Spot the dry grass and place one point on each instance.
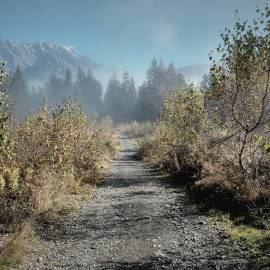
(16, 246)
(257, 239)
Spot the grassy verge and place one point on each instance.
(16, 246)
(257, 239)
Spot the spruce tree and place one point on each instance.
(88, 91)
(18, 94)
(67, 84)
(113, 100)
(159, 82)
(54, 90)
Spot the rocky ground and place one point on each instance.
(136, 220)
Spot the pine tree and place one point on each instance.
(131, 99)
(160, 81)
(124, 98)
(67, 84)
(54, 90)
(149, 102)
(114, 104)
(88, 92)
(132, 92)
(17, 85)
(173, 80)
(18, 94)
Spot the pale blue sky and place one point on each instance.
(125, 34)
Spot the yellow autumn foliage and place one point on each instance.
(51, 151)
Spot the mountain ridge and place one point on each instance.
(40, 60)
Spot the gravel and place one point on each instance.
(137, 220)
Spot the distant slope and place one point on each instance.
(194, 73)
(40, 60)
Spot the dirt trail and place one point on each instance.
(137, 221)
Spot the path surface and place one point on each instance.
(137, 221)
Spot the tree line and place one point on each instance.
(122, 101)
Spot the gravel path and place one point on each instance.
(137, 221)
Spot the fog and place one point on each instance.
(134, 134)
(51, 43)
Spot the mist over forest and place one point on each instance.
(135, 134)
(120, 99)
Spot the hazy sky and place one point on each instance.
(125, 34)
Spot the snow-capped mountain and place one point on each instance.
(40, 60)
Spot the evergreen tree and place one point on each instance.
(160, 81)
(149, 102)
(36, 98)
(79, 83)
(67, 84)
(207, 81)
(128, 97)
(142, 106)
(131, 99)
(54, 90)
(120, 99)
(17, 85)
(89, 91)
(18, 94)
(114, 100)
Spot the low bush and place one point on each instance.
(52, 153)
(178, 143)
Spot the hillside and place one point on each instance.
(41, 59)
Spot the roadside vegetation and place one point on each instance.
(217, 136)
(47, 163)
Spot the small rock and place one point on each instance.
(40, 260)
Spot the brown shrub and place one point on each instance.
(177, 140)
(53, 153)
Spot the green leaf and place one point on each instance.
(267, 148)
